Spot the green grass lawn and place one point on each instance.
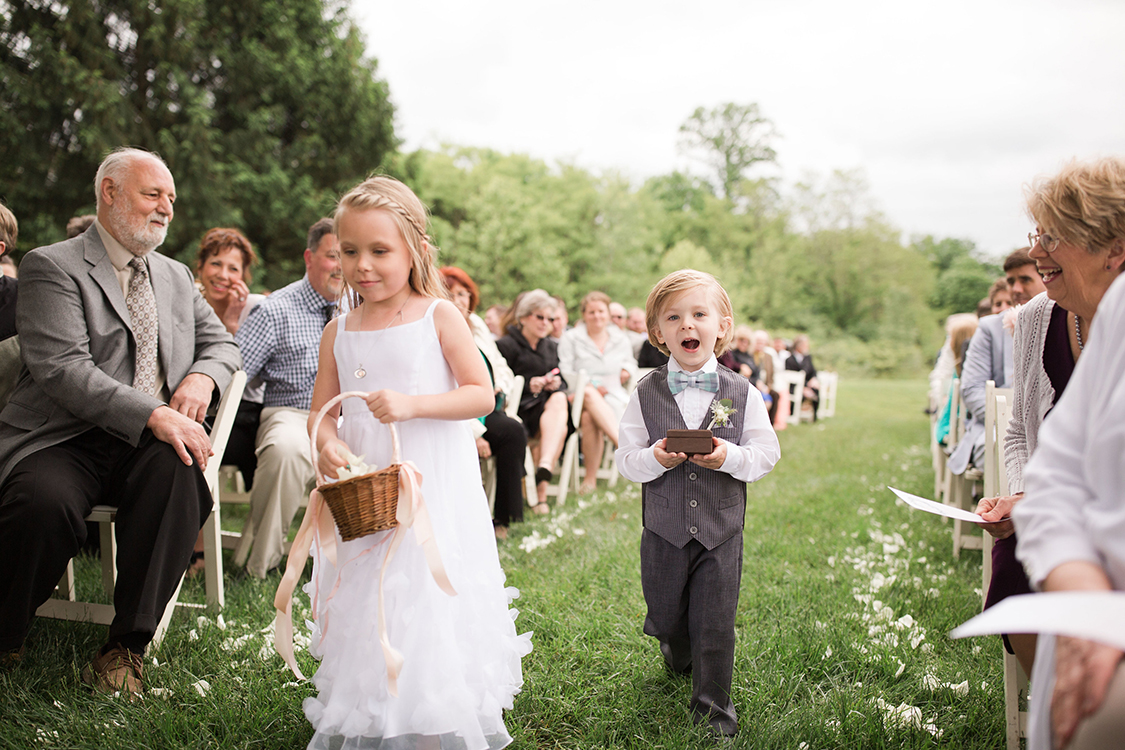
(847, 597)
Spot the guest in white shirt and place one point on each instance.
(604, 352)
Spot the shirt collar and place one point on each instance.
(711, 365)
(312, 297)
(117, 253)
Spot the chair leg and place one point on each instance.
(529, 480)
(567, 470)
(985, 567)
(1015, 720)
(213, 555)
(109, 556)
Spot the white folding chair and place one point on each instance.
(785, 379)
(106, 516)
(959, 487)
(829, 381)
(1015, 679)
(569, 468)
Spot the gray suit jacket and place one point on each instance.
(78, 348)
(989, 357)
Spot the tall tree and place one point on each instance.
(731, 138)
(264, 110)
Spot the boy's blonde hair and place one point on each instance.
(388, 194)
(9, 228)
(675, 284)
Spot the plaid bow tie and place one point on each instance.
(704, 381)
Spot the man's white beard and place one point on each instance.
(138, 238)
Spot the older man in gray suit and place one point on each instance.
(990, 357)
(121, 359)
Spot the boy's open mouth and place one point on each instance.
(690, 345)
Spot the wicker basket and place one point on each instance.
(361, 505)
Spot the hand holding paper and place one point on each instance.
(930, 506)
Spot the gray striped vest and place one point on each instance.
(690, 502)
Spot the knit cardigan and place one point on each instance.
(1033, 394)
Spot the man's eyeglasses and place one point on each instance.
(1046, 241)
(544, 317)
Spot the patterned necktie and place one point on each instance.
(142, 309)
(328, 310)
(704, 381)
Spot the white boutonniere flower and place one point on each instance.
(720, 413)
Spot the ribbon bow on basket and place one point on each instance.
(363, 505)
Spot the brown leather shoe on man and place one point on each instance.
(117, 670)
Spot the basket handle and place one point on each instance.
(396, 458)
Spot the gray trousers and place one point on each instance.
(692, 598)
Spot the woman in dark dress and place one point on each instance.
(543, 406)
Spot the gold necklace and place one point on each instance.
(361, 373)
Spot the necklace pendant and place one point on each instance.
(360, 373)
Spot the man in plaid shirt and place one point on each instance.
(280, 342)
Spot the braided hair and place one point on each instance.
(388, 194)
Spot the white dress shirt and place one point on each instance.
(755, 455)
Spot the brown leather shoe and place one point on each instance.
(117, 670)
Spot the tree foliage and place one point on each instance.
(263, 109)
(730, 138)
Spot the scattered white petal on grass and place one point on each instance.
(900, 670)
(904, 622)
(202, 687)
(559, 533)
(927, 648)
(906, 716)
(534, 541)
(59, 705)
(267, 652)
(832, 723)
(916, 639)
(803, 746)
(984, 686)
(202, 622)
(886, 613)
(961, 688)
(976, 650)
(233, 644)
(832, 561)
(193, 634)
(583, 505)
(292, 684)
(820, 625)
(221, 622)
(865, 511)
(933, 593)
(580, 532)
(155, 663)
(611, 497)
(859, 684)
(238, 679)
(929, 682)
(830, 577)
(268, 629)
(159, 692)
(46, 735)
(827, 654)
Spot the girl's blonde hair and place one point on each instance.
(961, 327)
(388, 194)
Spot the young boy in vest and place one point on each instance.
(694, 507)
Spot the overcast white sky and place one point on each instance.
(949, 107)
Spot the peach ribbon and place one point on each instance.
(411, 512)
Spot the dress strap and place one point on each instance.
(430, 310)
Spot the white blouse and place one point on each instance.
(577, 351)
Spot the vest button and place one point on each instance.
(692, 476)
(693, 530)
(693, 503)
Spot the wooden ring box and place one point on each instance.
(691, 442)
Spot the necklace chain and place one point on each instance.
(361, 373)
(1078, 332)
